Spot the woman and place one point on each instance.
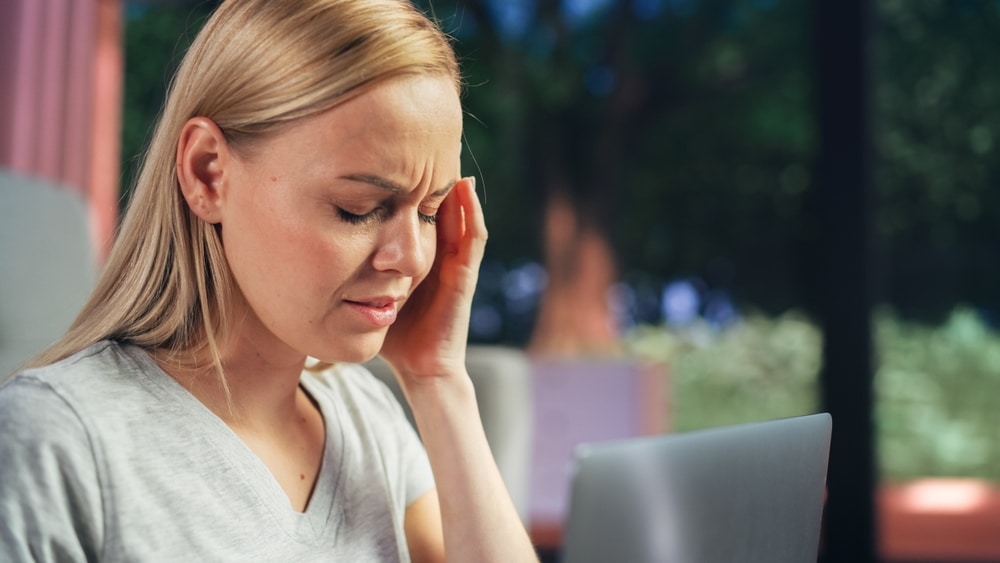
(302, 182)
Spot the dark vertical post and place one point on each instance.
(843, 35)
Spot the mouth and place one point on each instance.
(379, 303)
(380, 311)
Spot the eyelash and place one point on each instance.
(355, 219)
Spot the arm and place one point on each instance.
(422, 523)
(479, 518)
(426, 348)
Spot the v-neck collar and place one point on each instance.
(307, 526)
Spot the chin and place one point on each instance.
(355, 352)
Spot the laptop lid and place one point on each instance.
(746, 493)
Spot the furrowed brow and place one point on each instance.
(376, 181)
(444, 191)
(394, 188)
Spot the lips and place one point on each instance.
(377, 303)
(379, 311)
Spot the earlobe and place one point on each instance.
(201, 156)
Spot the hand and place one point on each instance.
(429, 337)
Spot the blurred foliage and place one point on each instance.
(937, 390)
(936, 386)
(937, 126)
(759, 368)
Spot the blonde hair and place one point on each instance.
(255, 66)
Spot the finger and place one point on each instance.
(450, 228)
(474, 239)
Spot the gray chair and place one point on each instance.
(47, 265)
(502, 379)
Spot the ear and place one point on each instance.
(202, 153)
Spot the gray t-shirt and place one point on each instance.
(104, 457)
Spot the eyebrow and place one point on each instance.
(390, 186)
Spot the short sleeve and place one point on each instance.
(419, 478)
(50, 499)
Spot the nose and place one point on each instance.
(405, 246)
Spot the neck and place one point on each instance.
(265, 407)
(260, 390)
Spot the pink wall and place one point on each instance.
(60, 99)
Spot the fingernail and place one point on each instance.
(472, 182)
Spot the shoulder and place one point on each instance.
(33, 411)
(41, 411)
(100, 361)
(39, 398)
(54, 409)
(49, 494)
(103, 374)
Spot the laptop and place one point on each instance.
(748, 493)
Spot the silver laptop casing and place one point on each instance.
(748, 493)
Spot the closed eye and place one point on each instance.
(361, 219)
(354, 218)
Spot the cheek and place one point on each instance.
(428, 242)
(273, 238)
(262, 239)
(331, 258)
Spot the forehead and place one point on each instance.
(407, 118)
(409, 104)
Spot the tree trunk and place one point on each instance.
(574, 317)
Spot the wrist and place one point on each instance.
(443, 389)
